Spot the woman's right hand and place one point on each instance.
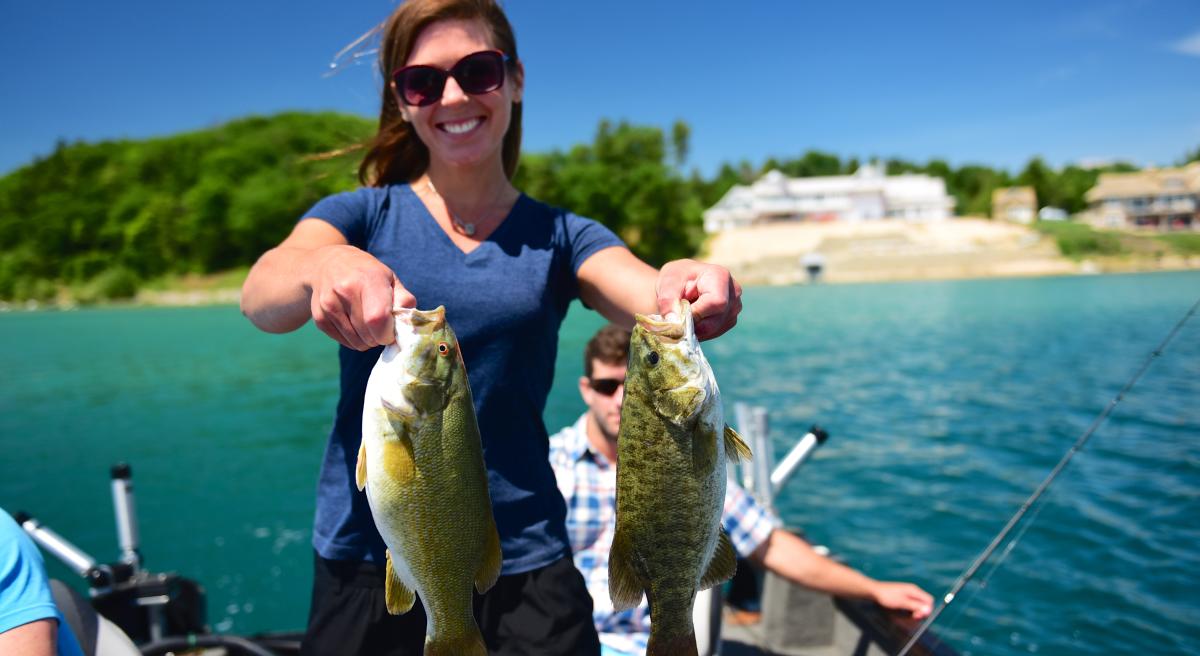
(353, 295)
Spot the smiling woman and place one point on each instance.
(439, 222)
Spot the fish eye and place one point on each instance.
(652, 358)
(443, 348)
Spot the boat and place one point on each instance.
(131, 611)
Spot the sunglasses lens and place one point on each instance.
(421, 85)
(605, 386)
(480, 73)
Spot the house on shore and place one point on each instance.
(867, 195)
(1015, 204)
(1153, 199)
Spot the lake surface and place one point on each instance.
(947, 402)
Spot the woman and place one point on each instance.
(439, 222)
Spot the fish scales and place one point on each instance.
(421, 466)
(671, 453)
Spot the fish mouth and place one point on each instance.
(424, 322)
(676, 329)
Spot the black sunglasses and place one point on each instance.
(478, 72)
(605, 386)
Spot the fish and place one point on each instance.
(672, 449)
(422, 468)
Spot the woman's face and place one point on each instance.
(461, 129)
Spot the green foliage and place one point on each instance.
(1186, 243)
(100, 217)
(623, 180)
(1077, 240)
(116, 283)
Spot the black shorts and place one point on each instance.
(546, 612)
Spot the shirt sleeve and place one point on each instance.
(747, 523)
(587, 237)
(24, 591)
(348, 211)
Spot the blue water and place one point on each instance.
(947, 402)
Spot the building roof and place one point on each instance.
(1014, 196)
(1151, 182)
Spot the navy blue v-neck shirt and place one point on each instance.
(505, 301)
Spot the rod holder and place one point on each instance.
(126, 514)
(808, 444)
(62, 549)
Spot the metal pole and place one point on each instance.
(126, 514)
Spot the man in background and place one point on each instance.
(584, 457)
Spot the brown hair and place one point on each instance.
(396, 154)
(609, 345)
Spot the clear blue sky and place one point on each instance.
(988, 82)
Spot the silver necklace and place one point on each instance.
(468, 228)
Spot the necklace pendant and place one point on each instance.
(468, 228)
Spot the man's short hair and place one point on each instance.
(609, 345)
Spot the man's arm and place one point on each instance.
(792, 558)
(37, 638)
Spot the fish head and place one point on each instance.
(667, 366)
(425, 362)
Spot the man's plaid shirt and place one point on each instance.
(588, 482)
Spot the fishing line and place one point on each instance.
(1037, 493)
(999, 561)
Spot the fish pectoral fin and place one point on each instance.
(398, 457)
(735, 447)
(625, 587)
(723, 564)
(489, 569)
(360, 469)
(399, 597)
(679, 404)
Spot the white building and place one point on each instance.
(866, 195)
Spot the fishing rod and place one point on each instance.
(1012, 522)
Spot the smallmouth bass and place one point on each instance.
(421, 465)
(671, 453)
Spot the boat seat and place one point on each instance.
(97, 636)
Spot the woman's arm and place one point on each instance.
(315, 273)
(617, 284)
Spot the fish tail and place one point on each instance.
(680, 645)
(466, 645)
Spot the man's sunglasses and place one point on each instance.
(605, 386)
(478, 72)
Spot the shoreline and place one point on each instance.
(770, 255)
(895, 251)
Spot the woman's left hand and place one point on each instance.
(716, 298)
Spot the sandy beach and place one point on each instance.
(897, 250)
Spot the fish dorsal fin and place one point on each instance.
(723, 564)
(399, 597)
(625, 587)
(735, 447)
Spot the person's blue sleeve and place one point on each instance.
(587, 237)
(349, 212)
(24, 590)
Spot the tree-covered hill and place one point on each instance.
(97, 220)
(118, 212)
